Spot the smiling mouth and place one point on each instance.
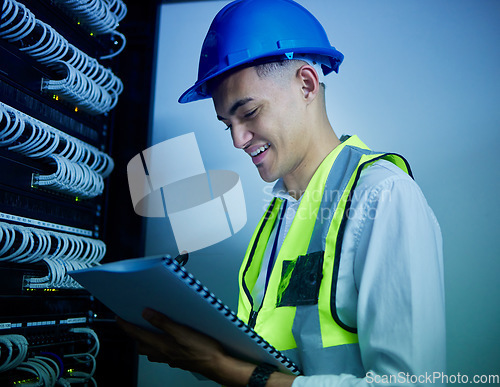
(260, 150)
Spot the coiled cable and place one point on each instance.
(39, 40)
(76, 179)
(33, 138)
(17, 349)
(61, 253)
(43, 367)
(102, 16)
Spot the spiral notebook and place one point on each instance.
(127, 287)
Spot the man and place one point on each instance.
(344, 271)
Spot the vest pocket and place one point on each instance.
(300, 280)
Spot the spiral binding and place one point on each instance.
(231, 315)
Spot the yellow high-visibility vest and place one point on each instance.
(298, 315)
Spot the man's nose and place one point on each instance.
(241, 136)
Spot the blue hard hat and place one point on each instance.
(247, 31)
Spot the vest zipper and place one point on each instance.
(252, 319)
(250, 258)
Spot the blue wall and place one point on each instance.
(420, 77)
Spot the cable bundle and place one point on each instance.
(58, 277)
(82, 91)
(80, 167)
(23, 244)
(36, 139)
(48, 367)
(17, 349)
(16, 22)
(100, 16)
(76, 179)
(45, 369)
(39, 40)
(89, 356)
(61, 252)
(117, 7)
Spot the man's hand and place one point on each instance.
(178, 346)
(182, 347)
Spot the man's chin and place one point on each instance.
(267, 177)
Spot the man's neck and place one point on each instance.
(297, 182)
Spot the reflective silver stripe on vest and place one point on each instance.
(310, 355)
(341, 172)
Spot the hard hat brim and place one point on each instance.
(195, 92)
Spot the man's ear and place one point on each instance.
(309, 81)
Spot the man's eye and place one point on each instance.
(228, 127)
(251, 113)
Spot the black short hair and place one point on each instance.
(264, 67)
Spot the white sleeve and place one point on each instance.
(395, 245)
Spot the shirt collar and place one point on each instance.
(279, 191)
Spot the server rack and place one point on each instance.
(67, 131)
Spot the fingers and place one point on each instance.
(149, 343)
(159, 320)
(142, 336)
(126, 326)
(182, 258)
(175, 344)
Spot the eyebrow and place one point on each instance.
(236, 106)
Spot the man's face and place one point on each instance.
(266, 119)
